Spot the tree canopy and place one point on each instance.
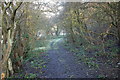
(90, 27)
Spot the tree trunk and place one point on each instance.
(8, 36)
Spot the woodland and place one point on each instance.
(59, 40)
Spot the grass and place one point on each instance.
(34, 59)
(82, 56)
(101, 76)
(87, 60)
(96, 50)
(94, 57)
(30, 75)
(41, 43)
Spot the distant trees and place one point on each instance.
(87, 16)
(93, 23)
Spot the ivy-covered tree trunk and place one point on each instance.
(17, 50)
(9, 28)
(7, 43)
(7, 47)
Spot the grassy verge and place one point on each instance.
(96, 57)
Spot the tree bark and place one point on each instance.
(8, 36)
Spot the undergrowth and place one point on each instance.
(88, 53)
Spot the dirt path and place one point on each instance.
(62, 64)
(57, 62)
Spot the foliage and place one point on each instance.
(91, 31)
